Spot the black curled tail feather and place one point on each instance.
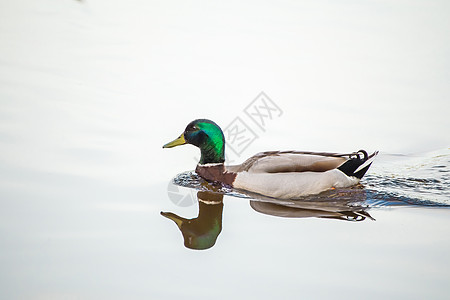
(357, 166)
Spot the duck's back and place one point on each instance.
(290, 161)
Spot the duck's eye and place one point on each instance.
(191, 128)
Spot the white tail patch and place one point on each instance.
(366, 163)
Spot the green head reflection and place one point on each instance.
(201, 232)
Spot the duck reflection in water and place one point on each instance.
(284, 211)
(342, 204)
(202, 232)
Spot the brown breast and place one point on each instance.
(215, 172)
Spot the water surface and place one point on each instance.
(91, 90)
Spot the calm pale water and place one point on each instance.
(90, 202)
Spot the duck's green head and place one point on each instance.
(206, 135)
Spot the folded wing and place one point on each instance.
(291, 161)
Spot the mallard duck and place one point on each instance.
(275, 174)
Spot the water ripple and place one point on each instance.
(419, 180)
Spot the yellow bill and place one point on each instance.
(177, 142)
